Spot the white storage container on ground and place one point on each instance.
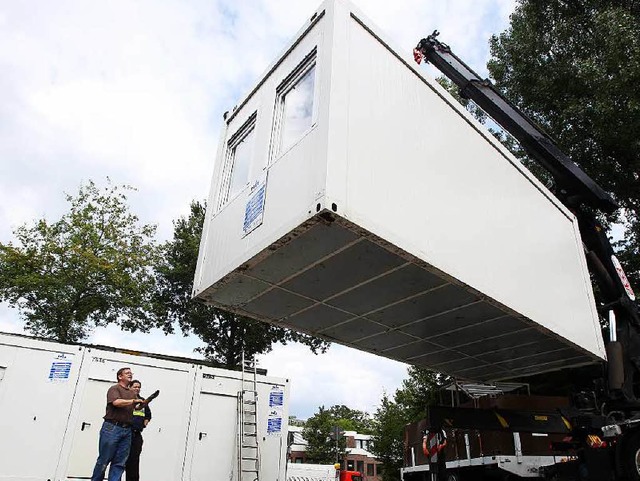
(37, 387)
(355, 200)
(52, 400)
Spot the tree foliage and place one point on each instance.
(92, 267)
(351, 419)
(225, 334)
(320, 432)
(409, 404)
(388, 439)
(294, 421)
(574, 67)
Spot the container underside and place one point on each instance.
(334, 280)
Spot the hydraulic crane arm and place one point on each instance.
(570, 180)
(575, 189)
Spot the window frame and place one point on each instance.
(308, 63)
(371, 470)
(244, 131)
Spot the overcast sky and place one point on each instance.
(135, 90)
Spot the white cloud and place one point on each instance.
(135, 90)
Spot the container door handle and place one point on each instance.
(201, 435)
(84, 425)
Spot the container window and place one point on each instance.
(360, 466)
(238, 161)
(370, 469)
(296, 104)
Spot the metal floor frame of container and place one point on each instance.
(332, 279)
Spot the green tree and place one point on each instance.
(388, 437)
(574, 67)
(351, 419)
(321, 429)
(320, 434)
(294, 421)
(409, 404)
(225, 334)
(92, 267)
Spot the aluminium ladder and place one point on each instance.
(248, 446)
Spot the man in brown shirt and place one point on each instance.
(115, 435)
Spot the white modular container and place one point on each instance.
(355, 200)
(37, 387)
(52, 400)
(212, 451)
(164, 439)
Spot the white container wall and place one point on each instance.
(52, 400)
(214, 424)
(355, 200)
(37, 385)
(164, 439)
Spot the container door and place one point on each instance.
(165, 437)
(215, 453)
(273, 434)
(36, 392)
(85, 442)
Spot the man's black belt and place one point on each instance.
(118, 423)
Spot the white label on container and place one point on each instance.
(276, 405)
(276, 398)
(274, 424)
(60, 367)
(254, 210)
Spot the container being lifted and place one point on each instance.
(355, 200)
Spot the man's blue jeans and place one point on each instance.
(113, 447)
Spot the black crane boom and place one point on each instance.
(571, 182)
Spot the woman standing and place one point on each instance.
(141, 417)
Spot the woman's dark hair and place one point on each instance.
(134, 382)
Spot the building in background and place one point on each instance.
(358, 457)
(297, 451)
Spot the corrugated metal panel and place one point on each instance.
(360, 293)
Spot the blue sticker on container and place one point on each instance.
(60, 371)
(276, 398)
(274, 426)
(254, 210)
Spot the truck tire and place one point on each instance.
(631, 458)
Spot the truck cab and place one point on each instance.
(351, 476)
